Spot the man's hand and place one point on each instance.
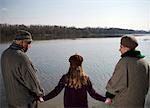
(41, 99)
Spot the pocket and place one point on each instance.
(121, 96)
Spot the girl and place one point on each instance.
(76, 84)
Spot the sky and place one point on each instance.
(126, 14)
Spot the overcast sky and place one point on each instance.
(128, 14)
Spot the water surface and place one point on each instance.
(51, 59)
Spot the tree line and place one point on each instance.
(46, 32)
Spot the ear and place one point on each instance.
(127, 49)
(20, 42)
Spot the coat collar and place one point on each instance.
(15, 46)
(133, 53)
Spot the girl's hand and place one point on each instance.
(108, 101)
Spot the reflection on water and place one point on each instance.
(51, 59)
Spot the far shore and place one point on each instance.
(84, 37)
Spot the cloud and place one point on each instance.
(3, 9)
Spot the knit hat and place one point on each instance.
(129, 41)
(76, 59)
(23, 35)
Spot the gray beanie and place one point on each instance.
(129, 41)
(23, 35)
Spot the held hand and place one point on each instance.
(41, 99)
(108, 101)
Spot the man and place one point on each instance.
(129, 83)
(21, 83)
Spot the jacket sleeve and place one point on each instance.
(55, 91)
(27, 76)
(119, 79)
(93, 93)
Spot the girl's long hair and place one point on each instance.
(76, 77)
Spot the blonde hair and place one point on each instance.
(76, 77)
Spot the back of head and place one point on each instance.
(76, 60)
(129, 41)
(23, 35)
(76, 76)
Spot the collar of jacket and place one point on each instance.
(16, 46)
(133, 53)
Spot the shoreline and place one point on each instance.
(99, 36)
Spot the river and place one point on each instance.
(51, 59)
